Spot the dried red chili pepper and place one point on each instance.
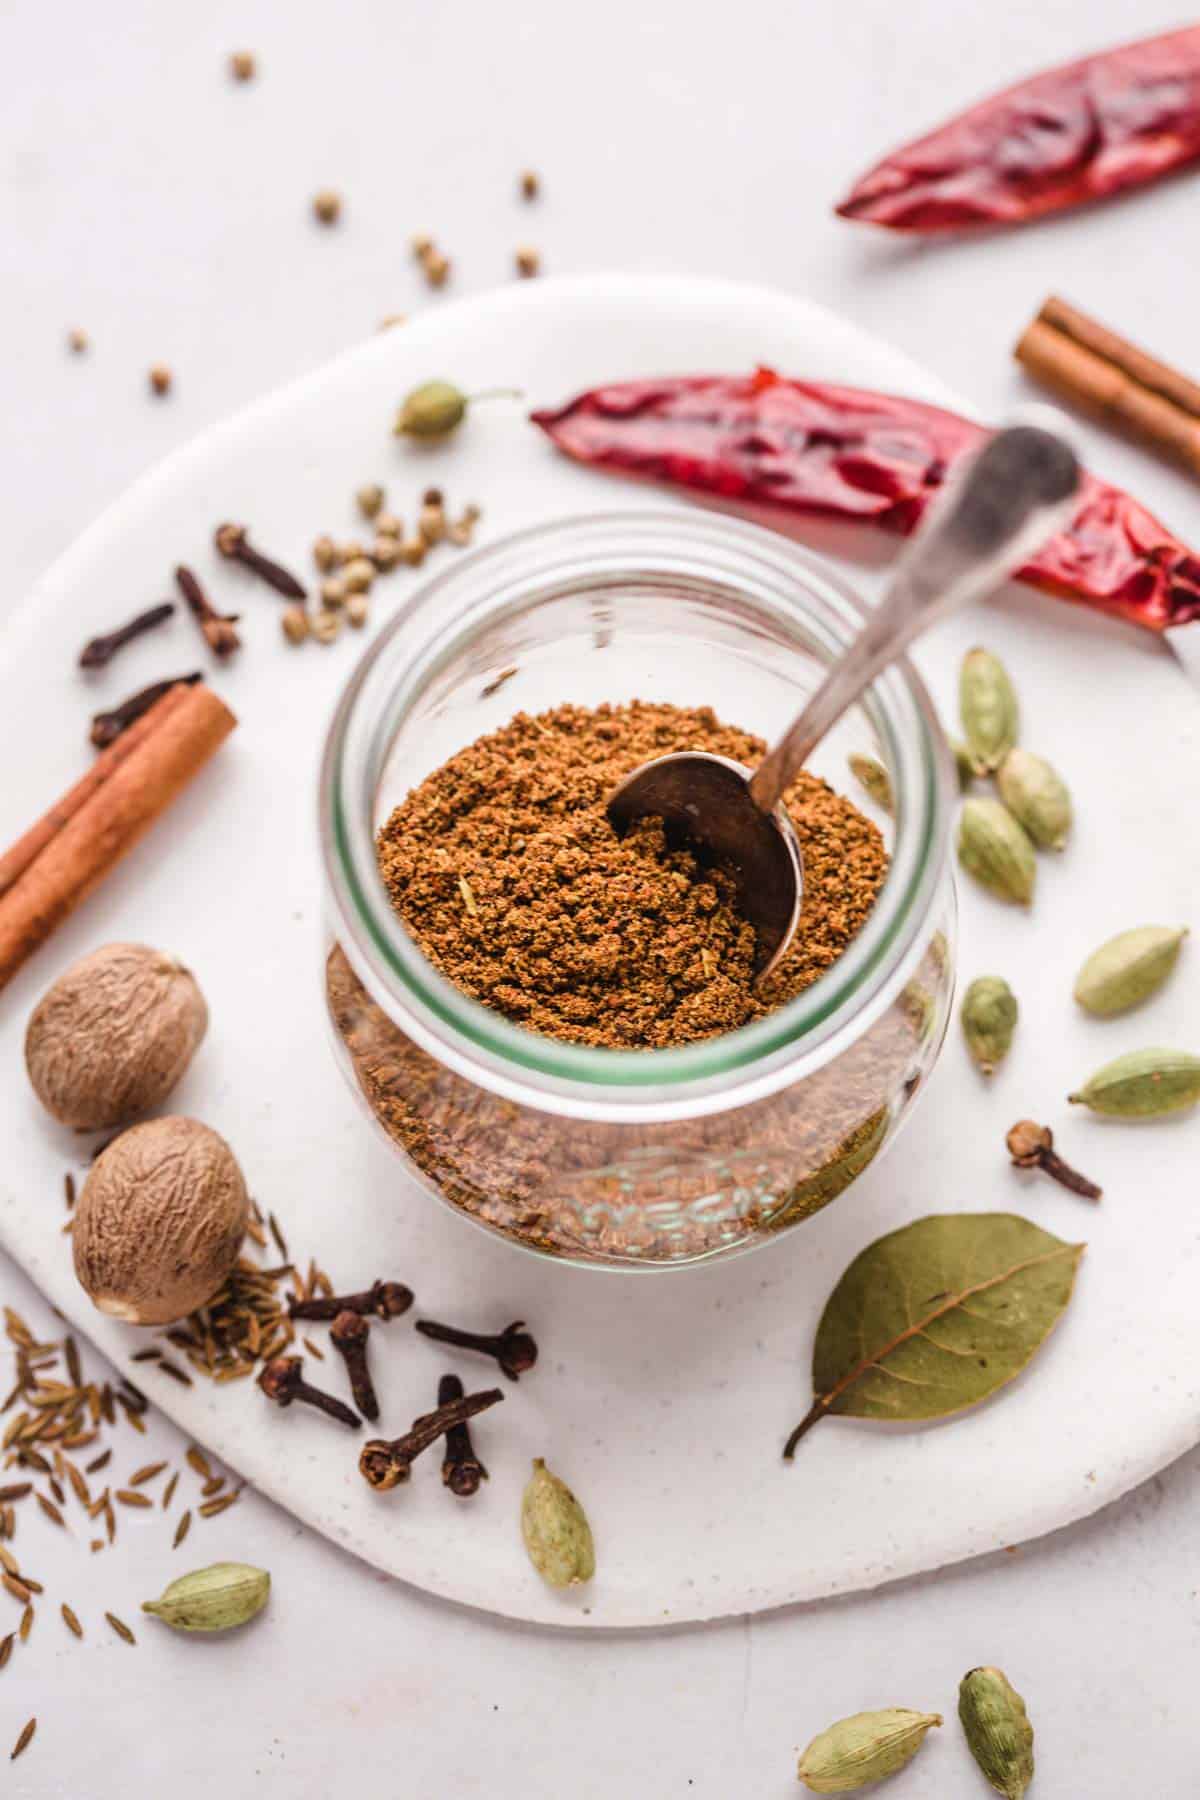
(1070, 135)
(807, 447)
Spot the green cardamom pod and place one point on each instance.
(1128, 968)
(988, 702)
(997, 1730)
(1036, 795)
(556, 1532)
(213, 1599)
(989, 1018)
(996, 851)
(871, 773)
(864, 1748)
(1142, 1085)
(432, 410)
(965, 766)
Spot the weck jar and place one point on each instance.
(621, 1158)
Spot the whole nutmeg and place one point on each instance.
(113, 1035)
(160, 1221)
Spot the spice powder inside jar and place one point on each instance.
(504, 869)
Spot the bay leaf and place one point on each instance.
(933, 1318)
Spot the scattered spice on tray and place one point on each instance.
(581, 935)
(811, 448)
(327, 206)
(98, 652)
(1076, 133)
(160, 379)
(242, 65)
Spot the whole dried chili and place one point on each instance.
(1072, 134)
(810, 448)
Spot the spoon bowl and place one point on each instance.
(706, 800)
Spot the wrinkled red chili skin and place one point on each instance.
(847, 453)
(1059, 139)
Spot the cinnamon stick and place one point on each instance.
(68, 852)
(1114, 380)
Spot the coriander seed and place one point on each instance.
(431, 520)
(325, 553)
(388, 525)
(295, 623)
(334, 592)
(531, 185)
(78, 341)
(385, 553)
(528, 261)
(326, 626)
(369, 500)
(412, 552)
(242, 65)
(422, 246)
(327, 206)
(358, 575)
(437, 268)
(357, 611)
(160, 379)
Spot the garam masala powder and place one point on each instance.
(504, 868)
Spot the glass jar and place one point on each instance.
(617, 1158)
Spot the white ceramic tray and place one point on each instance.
(664, 1399)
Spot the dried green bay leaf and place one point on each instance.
(933, 1318)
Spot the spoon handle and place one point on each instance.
(1016, 494)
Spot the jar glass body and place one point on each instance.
(627, 1159)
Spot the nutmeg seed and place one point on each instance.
(113, 1036)
(160, 1221)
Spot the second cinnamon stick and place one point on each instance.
(1114, 380)
(91, 828)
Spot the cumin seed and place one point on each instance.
(69, 1188)
(24, 1741)
(276, 1233)
(98, 1462)
(71, 1622)
(176, 1373)
(312, 1345)
(197, 1460)
(182, 1529)
(51, 1511)
(169, 1490)
(119, 1626)
(130, 1497)
(8, 1561)
(6, 1645)
(16, 1490)
(211, 1508)
(26, 1625)
(16, 1587)
(146, 1473)
(140, 1356)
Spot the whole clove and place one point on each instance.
(462, 1471)
(98, 652)
(218, 628)
(108, 726)
(1031, 1146)
(513, 1348)
(385, 1299)
(233, 542)
(385, 1464)
(282, 1381)
(349, 1337)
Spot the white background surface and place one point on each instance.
(150, 201)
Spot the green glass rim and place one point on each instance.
(576, 554)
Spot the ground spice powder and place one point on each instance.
(505, 869)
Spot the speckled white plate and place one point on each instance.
(663, 1399)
